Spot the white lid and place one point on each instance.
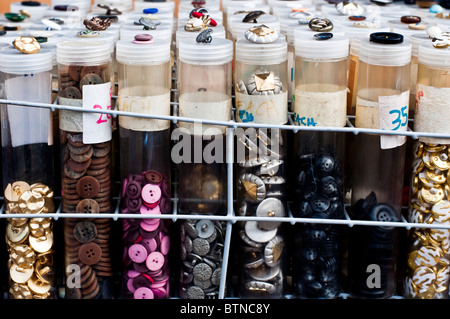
(165, 6)
(15, 62)
(431, 56)
(128, 52)
(186, 5)
(261, 53)
(335, 48)
(86, 52)
(238, 28)
(385, 54)
(218, 32)
(105, 36)
(163, 31)
(218, 51)
(36, 12)
(416, 40)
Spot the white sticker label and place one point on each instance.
(393, 111)
(268, 109)
(432, 112)
(97, 126)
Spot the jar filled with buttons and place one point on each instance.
(27, 169)
(144, 83)
(427, 266)
(204, 79)
(261, 97)
(86, 186)
(320, 100)
(378, 163)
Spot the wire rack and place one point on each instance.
(230, 217)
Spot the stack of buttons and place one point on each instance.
(319, 194)
(428, 272)
(372, 250)
(86, 189)
(30, 241)
(261, 193)
(202, 243)
(146, 241)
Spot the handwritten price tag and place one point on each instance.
(393, 117)
(97, 126)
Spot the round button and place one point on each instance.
(383, 213)
(150, 211)
(88, 206)
(153, 177)
(357, 18)
(85, 231)
(410, 19)
(88, 187)
(205, 228)
(257, 234)
(320, 203)
(155, 261)
(386, 37)
(325, 164)
(133, 189)
(270, 207)
(165, 245)
(151, 194)
(150, 225)
(90, 253)
(323, 36)
(90, 79)
(143, 38)
(143, 293)
(137, 253)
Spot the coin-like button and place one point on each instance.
(270, 207)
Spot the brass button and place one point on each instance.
(27, 45)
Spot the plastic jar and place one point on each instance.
(85, 137)
(28, 173)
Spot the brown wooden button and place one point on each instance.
(71, 92)
(88, 187)
(75, 71)
(88, 206)
(85, 231)
(90, 253)
(78, 166)
(153, 177)
(90, 79)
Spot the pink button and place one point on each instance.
(143, 293)
(150, 211)
(151, 243)
(165, 245)
(150, 226)
(151, 194)
(133, 273)
(155, 261)
(124, 187)
(137, 253)
(130, 285)
(159, 292)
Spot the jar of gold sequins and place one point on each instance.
(27, 170)
(427, 268)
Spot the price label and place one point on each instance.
(393, 110)
(97, 126)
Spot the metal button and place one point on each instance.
(270, 207)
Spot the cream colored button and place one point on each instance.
(19, 274)
(17, 234)
(37, 286)
(42, 244)
(28, 45)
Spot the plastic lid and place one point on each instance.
(237, 27)
(15, 62)
(416, 40)
(219, 51)
(431, 56)
(161, 6)
(262, 53)
(334, 48)
(395, 54)
(181, 34)
(82, 51)
(163, 32)
(128, 52)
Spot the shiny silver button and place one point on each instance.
(270, 207)
(255, 233)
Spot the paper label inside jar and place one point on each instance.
(156, 105)
(267, 109)
(389, 113)
(323, 108)
(97, 127)
(29, 125)
(432, 112)
(204, 105)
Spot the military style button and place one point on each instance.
(432, 195)
(320, 25)
(41, 244)
(88, 187)
(37, 286)
(270, 207)
(88, 206)
(202, 271)
(22, 255)
(273, 251)
(39, 226)
(194, 292)
(153, 177)
(85, 231)
(255, 233)
(201, 246)
(20, 275)
(205, 228)
(27, 45)
(253, 186)
(17, 234)
(386, 37)
(14, 190)
(90, 253)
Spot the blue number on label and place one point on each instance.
(399, 115)
(304, 121)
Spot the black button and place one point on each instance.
(30, 3)
(325, 164)
(386, 37)
(323, 36)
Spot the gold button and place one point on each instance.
(31, 202)
(22, 255)
(14, 190)
(17, 235)
(19, 274)
(42, 244)
(37, 286)
(432, 195)
(19, 291)
(39, 226)
(13, 208)
(27, 45)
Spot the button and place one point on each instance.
(386, 37)
(133, 189)
(252, 16)
(323, 36)
(88, 34)
(273, 251)
(165, 245)
(14, 190)
(253, 186)
(349, 8)
(205, 228)
(150, 211)
(155, 261)
(27, 45)
(31, 202)
(143, 293)
(153, 177)
(202, 272)
(88, 187)
(22, 255)
(20, 275)
(325, 164)
(137, 253)
(151, 194)
(410, 19)
(320, 25)
(201, 246)
(90, 79)
(143, 39)
(357, 18)
(17, 234)
(270, 207)
(257, 234)
(320, 203)
(90, 253)
(85, 231)
(88, 206)
(41, 244)
(71, 92)
(150, 225)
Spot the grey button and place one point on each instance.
(253, 258)
(202, 272)
(270, 207)
(204, 284)
(260, 286)
(189, 228)
(264, 273)
(205, 228)
(273, 180)
(216, 275)
(248, 241)
(273, 251)
(257, 234)
(195, 292)
(188, 244)
(271, 168)
(201, 246)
